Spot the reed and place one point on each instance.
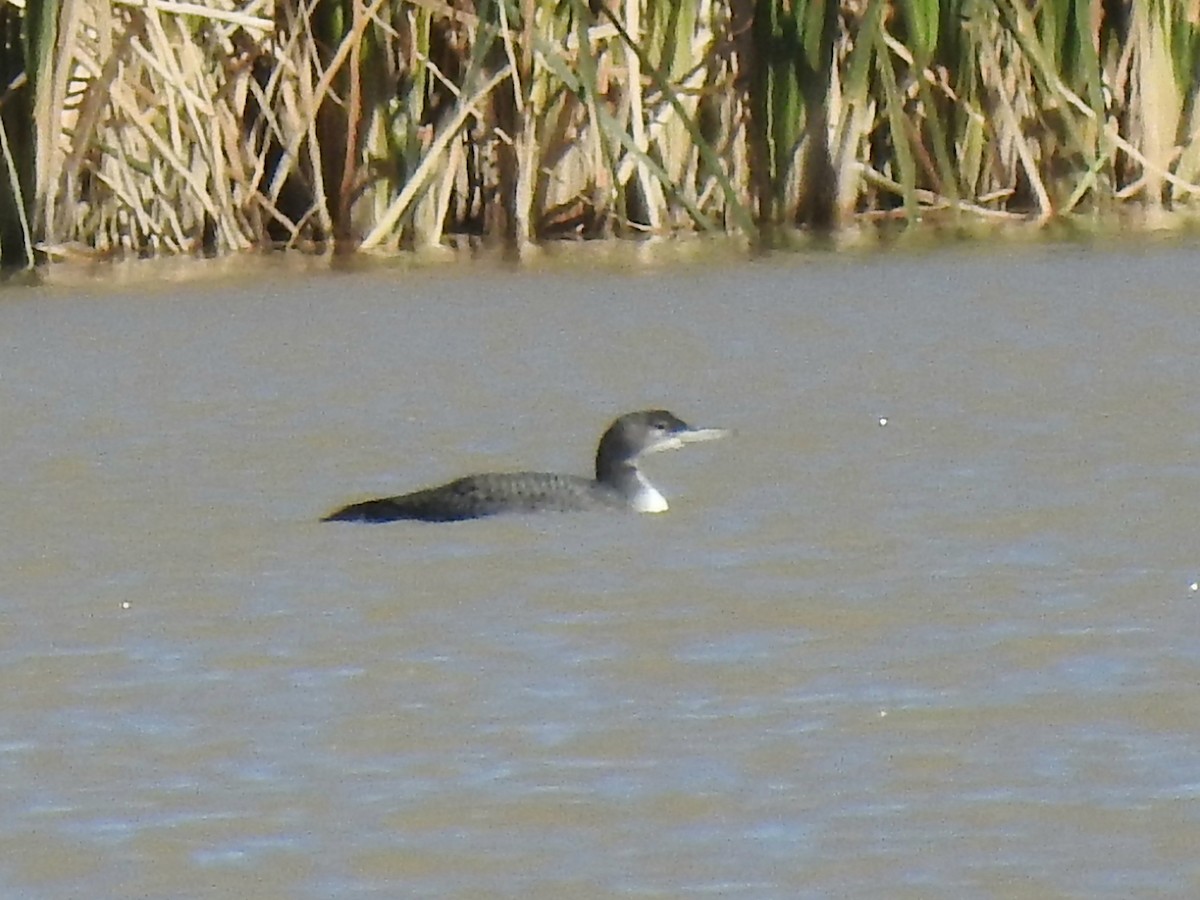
(21, 40)
(140, 127)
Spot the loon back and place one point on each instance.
(619, 483)
(475, 496)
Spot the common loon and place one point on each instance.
(618, 484)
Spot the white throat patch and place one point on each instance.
(648, 499)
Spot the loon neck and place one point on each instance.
(627, 479)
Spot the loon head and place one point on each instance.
(632, 436)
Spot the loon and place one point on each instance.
(619, 483)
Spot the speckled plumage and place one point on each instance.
(475, 496)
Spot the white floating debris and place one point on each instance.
(882, 421)
(124, 604)
(1195, 585)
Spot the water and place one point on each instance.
(925, 628)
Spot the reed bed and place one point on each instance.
(143, 127)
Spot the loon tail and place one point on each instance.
(385, 509)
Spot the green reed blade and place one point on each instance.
(897, 121)
(922, 19)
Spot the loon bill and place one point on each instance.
(619, 483)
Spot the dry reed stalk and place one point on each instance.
(133, 94)
(652, 198)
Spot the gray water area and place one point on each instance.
(926, 627)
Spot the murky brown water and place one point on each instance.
(956, 655)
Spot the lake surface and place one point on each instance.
(927, 627)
